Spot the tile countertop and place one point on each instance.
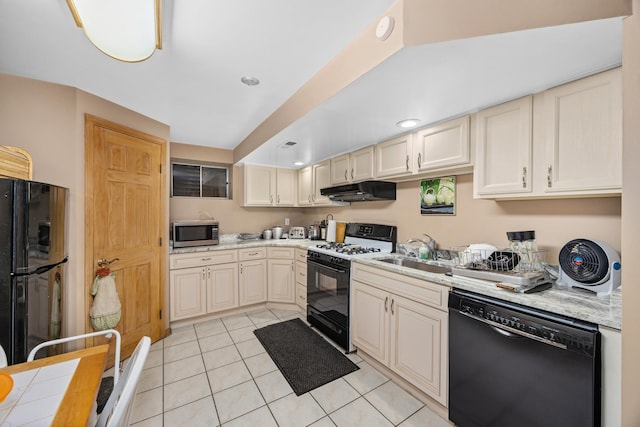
(578, 304)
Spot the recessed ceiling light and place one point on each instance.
(250, 80)
(298, 163)
(408, 123)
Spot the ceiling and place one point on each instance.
(193, 83)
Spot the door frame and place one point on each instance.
(92, 122)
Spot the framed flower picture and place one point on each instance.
(438, 196)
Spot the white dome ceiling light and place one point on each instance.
(127, 30)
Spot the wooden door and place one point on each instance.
(125, 212)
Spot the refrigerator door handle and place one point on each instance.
(41, 269)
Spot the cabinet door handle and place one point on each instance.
(351, 173)
(524, 177)
(278, 201)
(407, 162)
(549, 170)
(386, 300)
(209, 276)
(270, 198)
(345, 175)
(253, 253)
(205, 259)
(309, 198)
(392, 306)
(204, 274)
(419, 160)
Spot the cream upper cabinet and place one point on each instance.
(286, 180)
(321, 179)
(310, 180)
(268, 186)
(442, 146)
(340, 170)
(569, 145)
(504, 148)
(584, 134)
(305, 186)
(393, 158)
(353, 167)
(259, 185)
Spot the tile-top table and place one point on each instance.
(58, 390)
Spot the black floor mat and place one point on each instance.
(305, 359)
(106, 386)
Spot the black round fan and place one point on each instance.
(584, 261)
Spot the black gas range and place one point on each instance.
(329, 276)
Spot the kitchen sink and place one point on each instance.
(418, 265)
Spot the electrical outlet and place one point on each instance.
(286, 221)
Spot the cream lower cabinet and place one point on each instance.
(201, 283)
(402, 322)
(301, 278)
(253, 276)
(281, 275)
(222, 287)
(188, 290)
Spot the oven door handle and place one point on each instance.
(336, 270)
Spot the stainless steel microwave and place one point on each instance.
(194, 233)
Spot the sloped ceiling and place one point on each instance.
(193, 83)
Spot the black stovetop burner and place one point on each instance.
(348, 249)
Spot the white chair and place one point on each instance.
(107, 333)
(117, 410)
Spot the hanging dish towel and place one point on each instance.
(106, 310)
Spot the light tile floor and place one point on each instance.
(217, 373)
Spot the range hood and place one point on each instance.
(361, 191)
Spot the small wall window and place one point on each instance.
(199, 180)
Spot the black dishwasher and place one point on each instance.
(510, 365)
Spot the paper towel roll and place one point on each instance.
(331, 231)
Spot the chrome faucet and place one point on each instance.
(430, 244)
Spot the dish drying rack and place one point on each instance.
(521, 271)
(500, 260)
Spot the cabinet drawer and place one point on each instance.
(252, 253)
(202, 258)
(284, 253)
(301, 295)
(301, 255)
(301, 272)
(409, 287)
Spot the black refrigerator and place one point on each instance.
(32, 258)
